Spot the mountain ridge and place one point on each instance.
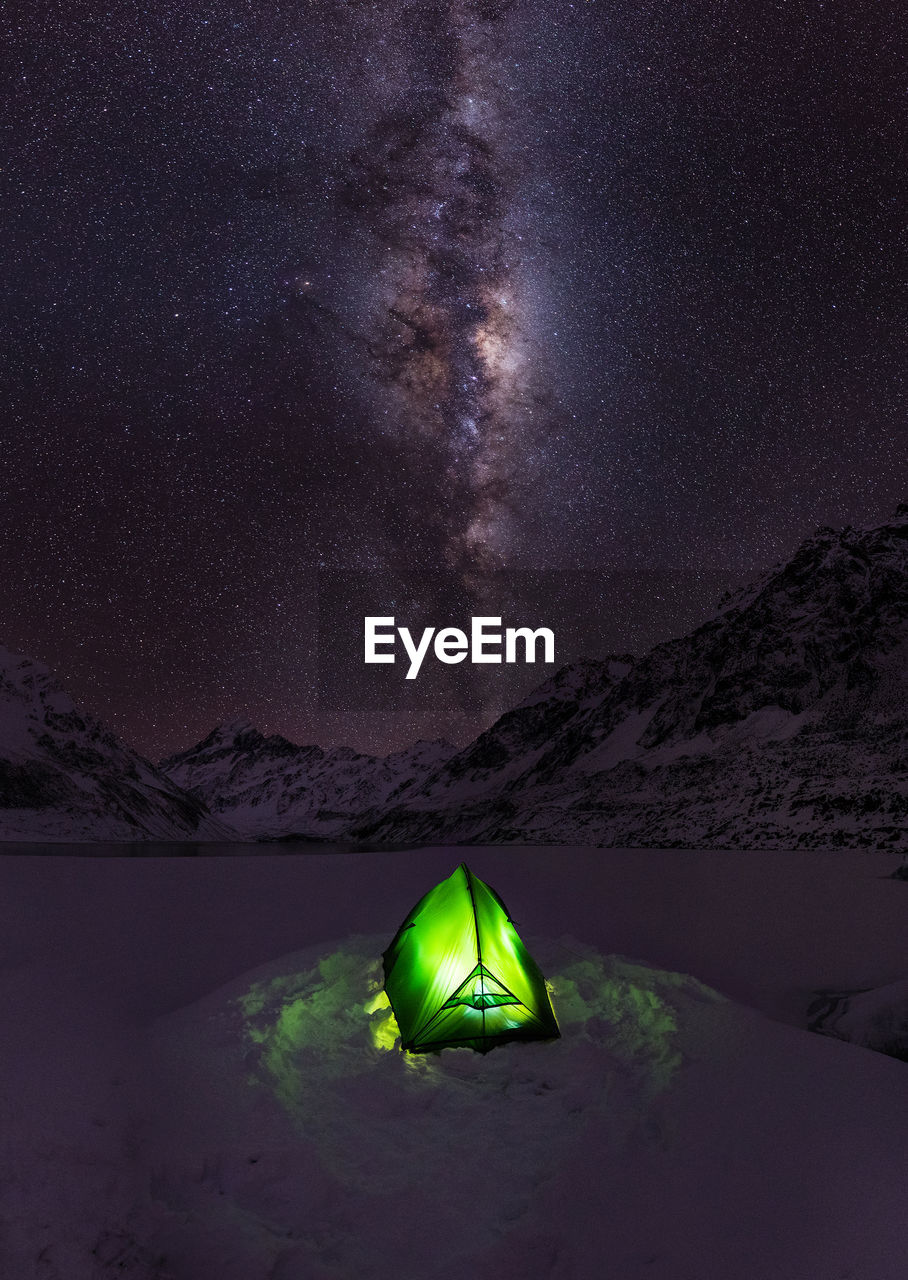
(781, 721)
(269, 787)
(64, 776)
(815, 649)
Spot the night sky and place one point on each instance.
(582, 313)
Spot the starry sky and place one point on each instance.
(577, 313)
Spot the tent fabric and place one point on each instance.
(457, 972)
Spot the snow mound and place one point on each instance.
(876, 1019)
(669, 1130)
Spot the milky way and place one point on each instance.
(578, 312)
(436, 187)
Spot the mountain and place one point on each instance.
(780, 722)
(269, 787)
(63, 776)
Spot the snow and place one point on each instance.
(273, 788)
(194, 1084)
(877, 1018)
(64, 776)
(28, 692)
(623, 742)
(779, 723)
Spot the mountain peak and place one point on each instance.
(235, 729)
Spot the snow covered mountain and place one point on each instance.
(271, 787)
(781, 722)
(63, 776)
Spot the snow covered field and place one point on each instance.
(197, 1083)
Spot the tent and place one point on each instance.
(457, 972)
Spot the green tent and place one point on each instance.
(458, 974)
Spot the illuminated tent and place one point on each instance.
(458, 974)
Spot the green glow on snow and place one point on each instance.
(640, 1024)
(333, 1012)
